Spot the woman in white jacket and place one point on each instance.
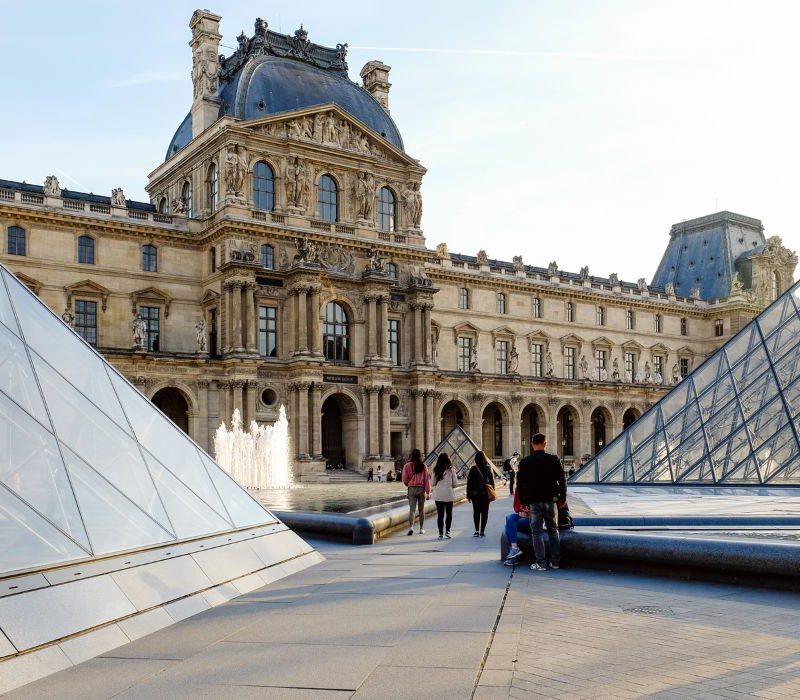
(444, 493)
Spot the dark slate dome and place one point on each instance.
(263, 78)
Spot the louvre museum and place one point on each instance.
(283, 260)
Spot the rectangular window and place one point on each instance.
(501, 351)
(684, 326)
(657, 323)
(149, 258)
(658, 369)
(630, 366)
(151, 316)
(569, 363)
(464, 353)
(600, 363)
(536, 307)
(16, 240)
(684, 367)
(268, 331)
(536, 360)
(719, 328)
(463, 298)
(394, 341)
(630, 321)
(86, 250)
(600, 316)
(86, 320)
(212, 257)
(570, 312)
(501, 303)
(212, 332)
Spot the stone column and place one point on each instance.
(302, 320)
(225, 406)
(237, 387)
(552, 426)
(227, 291)
(426, 332)
(252, 316)
(316, 331)
(428, 422)
(371, 323)
(477, 419)
(316, 419)
(373, 427)
(302, 419)
(386, 426)
(417, 332)
(515, 428)
(202, 431)
(252, 397)
(419, 419)
(586, 430)
(436, 418)
(383, 326)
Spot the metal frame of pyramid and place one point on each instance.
(107, 509)
(734, 421)
(461, 448)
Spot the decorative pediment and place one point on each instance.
(152, 295)
(87, 288)
(538, 337)
(632, 346)
(465, 329)
(685, 351)
(503, 333)
(602, 342)
(210, 298)
(330, 126)
(33, 284)
(571, 339)
(659, 349)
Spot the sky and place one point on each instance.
(574, 131)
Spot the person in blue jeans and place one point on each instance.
(541, 485)
(513, 521)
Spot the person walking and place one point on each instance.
(369, 474)
(418, 481)
(480, 477)
(444, 493)
(541, 485)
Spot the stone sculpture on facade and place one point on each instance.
(548, 361)
(235, 171)
(365, 188)
(657, 378)
(482, 258)
(295, 183)
(118, 197)
(669, 288)
(413, 201)
(441, 251)
(178, 206)
(51, 186)
(517, 262)
(204, 74)
(695, 294)
(307, 251)
(330, 135)
(641, 283)
(584, 273)
(243, 251)
(200, 329)
(67, 317)
(513, 360)
(374, 261)
(552, 269)
(614, 279)
(647, 376)
(615, 370)
(736, 284)
(676, 374)
(473, 359)
(584, 365)
(139, 333)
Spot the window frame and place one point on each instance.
(630, 360)
(600, 315)
(502, 303)
(570, 354)
(719, 327)
(17, 234)
(186, 195)
(536, 307)
(336, 332)
(267, 330)
(392, 271)
(684, 368)
(328, 211)
(630, 319)
(684, 326)
(267, 256)
(387, 210)
(501, 356)
(265, 192)
(153, 331)
(149, 254)
(463, 298)
(394, 342)
(84, 248)
(537, 355)
(569, 312)
(463, 353)
(212, 185)
(80, 326)
(658, 323)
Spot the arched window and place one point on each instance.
(776, 285)
(267, 257)
(657, 325)
(570, 312)
(601, 316)
(336, 333)
(16, 241)
(263, 186)
(186, 195)
(149, 258)
(501, 303)
(328, 199)
(386, 210)
(212, 184)
(86, 250)
(391, 271)
(162, 205)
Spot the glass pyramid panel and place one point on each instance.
(29, 540)
(462, 450)
(113, 522)
(31, 467)
(58, 402)
(733, 420)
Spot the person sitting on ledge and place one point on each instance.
(513, 521)
(390, 475)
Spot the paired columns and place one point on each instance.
(379, 421)
(307, 334)
(241, 316)
(235, 394)
(377, 335)
(422, 332)
(306, 414)
(426, 418)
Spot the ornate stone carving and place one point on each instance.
(548, 361)
(641, 283)
(365, 195)
(336, 259)
(695, 293)
(584, 365)
(296, 183)
(412, 198)
(67, 317)
(204, 73)
(778, 254)
(552, 269)
(235, 170)
(200, 336)
(242, 251)
(51, 186)
(473, 358)
(736, 284)
(614, 279)
(615, 370)
(584, 273)
(118, 197)
(513, 360)
(519, 266)
(375, 261)
(441, 251)
(178, 206)
(669, 288)
(482, 258)
(139, 333)
(676, 374)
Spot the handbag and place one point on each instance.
(491, 494)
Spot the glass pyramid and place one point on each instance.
(88, 466)
(733, 421)
(462, 450)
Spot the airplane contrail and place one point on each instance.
(535, 54)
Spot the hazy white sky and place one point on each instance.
(568, 131)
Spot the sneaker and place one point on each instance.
(441, 537)
(421, 531)
(410, 532)
(555, 566)
(448, 535)
(483, 534)
(537, 567)
(476, 534)
(513, 555)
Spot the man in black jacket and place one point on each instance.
(541, 485)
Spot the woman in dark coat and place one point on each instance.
(479, 475)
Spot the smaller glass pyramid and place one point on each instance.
(88, 466)
(734, 420)
(462, 451)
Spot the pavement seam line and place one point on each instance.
(492, 634)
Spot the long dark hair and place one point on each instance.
(416, 459)
(443, 463)
(481, 462)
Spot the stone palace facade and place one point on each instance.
(281, 261)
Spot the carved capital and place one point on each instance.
(202, 383)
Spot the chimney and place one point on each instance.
(205, 69)
(376, 80)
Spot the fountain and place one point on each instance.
(258, 458)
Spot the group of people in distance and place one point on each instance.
(541, 490)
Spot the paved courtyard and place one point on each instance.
(414, 617)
